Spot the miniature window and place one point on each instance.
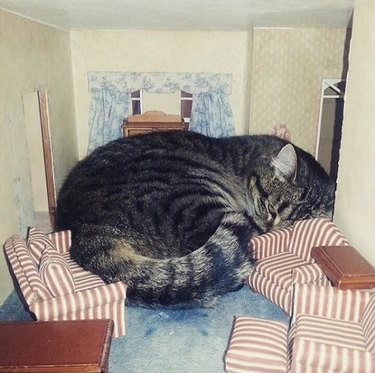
(136, 102)
(186, 101)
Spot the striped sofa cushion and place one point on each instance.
(330, 302)
(61, 240)
(315, 357)
(330, 331)
(270, 243)
(368, 324)
(257, 345)
(83, 280)
(55, 272)
(26, 264)
(279, 268)
(37, 241)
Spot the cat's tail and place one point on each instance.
(218, 267)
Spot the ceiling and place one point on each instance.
(183, 14)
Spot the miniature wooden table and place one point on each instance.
(152, 121)
(345, 267)
(55, 346)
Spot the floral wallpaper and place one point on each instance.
(287, 71)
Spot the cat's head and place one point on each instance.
(289, 186)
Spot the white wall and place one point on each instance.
(32, 56)
(355, 204)
(160, 51)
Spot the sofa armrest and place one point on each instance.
(64, 304)
(270, 243)
(328, 301)
(325, 357)
(308, 274)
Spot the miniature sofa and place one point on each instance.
(331, 331)
(284, 258)
(56, 288)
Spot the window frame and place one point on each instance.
(185, 98)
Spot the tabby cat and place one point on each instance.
(171, 214)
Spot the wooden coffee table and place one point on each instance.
(345, 267)
(55, 346)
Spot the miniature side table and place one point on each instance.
(345, 267)
(55, 346)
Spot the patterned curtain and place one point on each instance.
(110, 101)
(211, 115)
(107, 111)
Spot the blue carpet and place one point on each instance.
(174, 341)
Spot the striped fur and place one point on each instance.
(170, 214)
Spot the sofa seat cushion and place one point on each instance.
(83, 280)
(311, 356)
(279, 268)
(257, 345)
(328, 331)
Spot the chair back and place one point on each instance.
(314, 232)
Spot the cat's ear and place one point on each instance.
(285, 163)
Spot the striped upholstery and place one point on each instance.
(284, 259)
(37, 242)
(314, 232)
(270, 243)
(314, 328)
(91, 298)
(257, 345)
(279, 268)
(323, 358)
(54, 271)
(332, 330)
(368, 324)
(61, 240)
(329, 302)
(271, 291)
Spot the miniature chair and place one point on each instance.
(56, 288)
(284, 258)
(331, 331)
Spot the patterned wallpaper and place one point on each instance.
(287, 71)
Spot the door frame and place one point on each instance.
(47, 154)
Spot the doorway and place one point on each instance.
(40, 158)
(328, 141)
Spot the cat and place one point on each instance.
(171, 213)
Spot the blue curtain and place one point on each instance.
(211, 115)
(110, 101)
(107, 111)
